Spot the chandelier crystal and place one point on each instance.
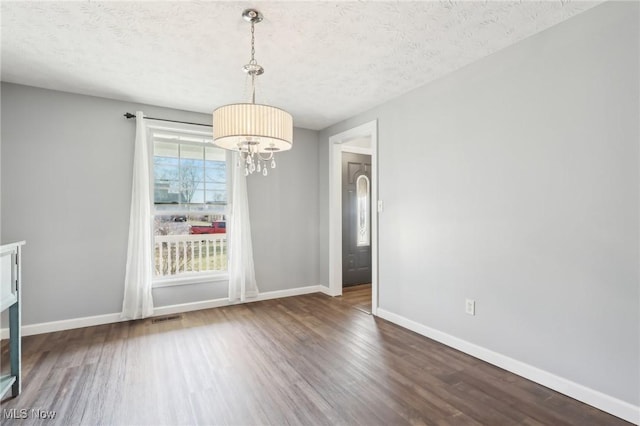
(256, 131)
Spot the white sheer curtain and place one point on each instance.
(242, 277)
(138, 301)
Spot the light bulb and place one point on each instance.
(246, 171)
(258, 168)
(252, 167)
(248, 159)
(273, 163)
(264, 171)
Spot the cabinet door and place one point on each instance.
(8, 295)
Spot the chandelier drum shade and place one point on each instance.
(256, 131)
(267, 129)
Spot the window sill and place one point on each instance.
(186, 279)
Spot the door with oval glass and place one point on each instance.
(356, 219)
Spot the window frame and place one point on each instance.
(182, 129)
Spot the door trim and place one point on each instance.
(337, 144)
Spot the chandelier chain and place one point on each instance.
(253, 61)
(253, 43)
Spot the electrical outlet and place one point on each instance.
(470, 306)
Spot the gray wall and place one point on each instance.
(66, 189)
(284, 217)
(1, 176)
(515, 182)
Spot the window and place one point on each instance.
(362, 193)
(190, 199)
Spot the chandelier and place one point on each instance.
(256, 131)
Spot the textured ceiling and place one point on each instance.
(324, 61)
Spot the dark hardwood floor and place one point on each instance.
(306, 360)
(358, 296)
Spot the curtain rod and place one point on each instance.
(129, 115)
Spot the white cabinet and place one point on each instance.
(10, 281)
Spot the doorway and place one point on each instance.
(359, 140)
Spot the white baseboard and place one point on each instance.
(326, 290)
(289, 292)
(49, 327)
(609, 404)
(216, 303)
